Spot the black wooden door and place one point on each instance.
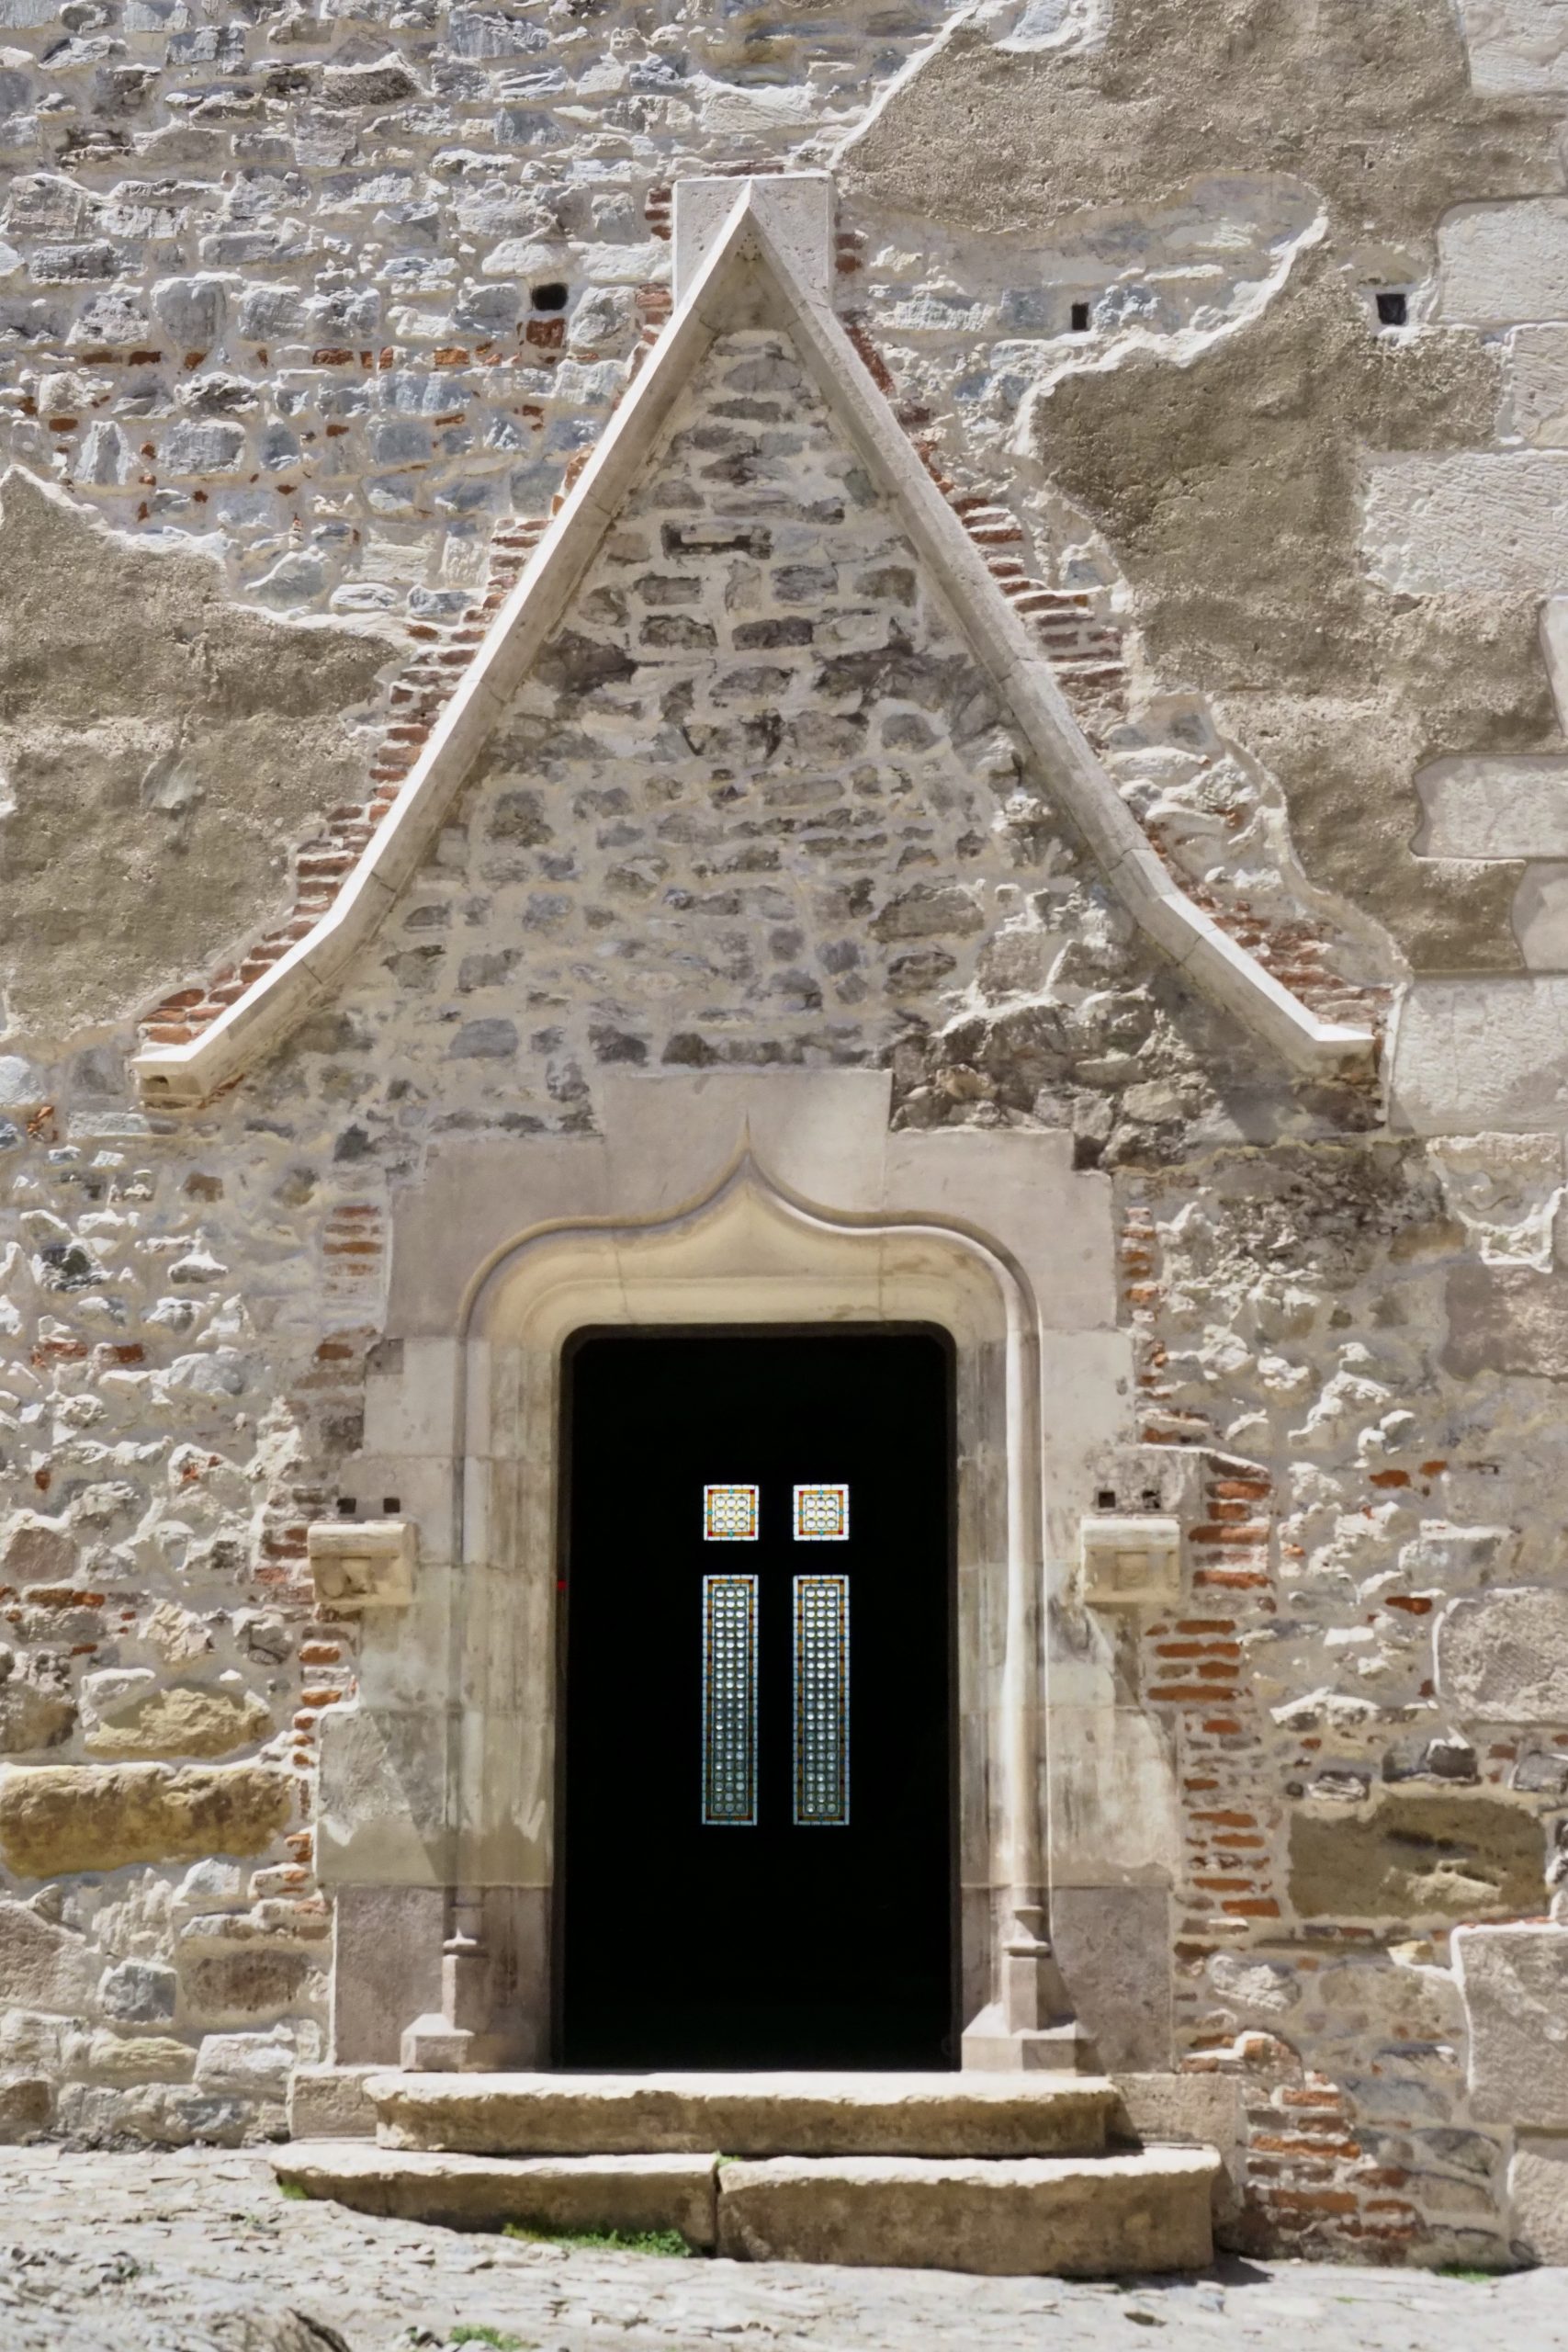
(756, 1865)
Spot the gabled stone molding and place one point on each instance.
(748, 270)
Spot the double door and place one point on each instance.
(756, 1865)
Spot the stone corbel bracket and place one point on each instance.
(1130, 1562)
(363, 1563)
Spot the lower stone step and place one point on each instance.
(485, 2192)
(1058, 2217)
(965, 2114)
(1064, 2217)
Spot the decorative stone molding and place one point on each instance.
(363, 1563)
(760, 264)
(1129, 1563)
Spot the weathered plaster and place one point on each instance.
(1228, 489)
(165, 751)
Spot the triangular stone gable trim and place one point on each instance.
(304, 979)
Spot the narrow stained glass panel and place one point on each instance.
(730, 1514)
(822, 1700)
(729, 1701)
(821, 1514)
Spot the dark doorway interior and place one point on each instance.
(756, 1865)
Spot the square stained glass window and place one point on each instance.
(821, 1514)
(730, 1514)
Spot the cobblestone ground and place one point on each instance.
(199, 2252)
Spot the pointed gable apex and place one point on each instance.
(760, 262)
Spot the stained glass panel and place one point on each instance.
(730, 1514)
(822, 1700)
(729, 1701)
(821, 1514)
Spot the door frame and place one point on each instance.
(564, 1450)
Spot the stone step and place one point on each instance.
(485, 2192)
(972, 2114)
(1067, 2217)
(1043, 2216)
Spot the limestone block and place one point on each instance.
(1492, 520)
(478, 2192)
(1506, 1319)
(251, 2065)
(1113, 1944)
(381, 1801)
(139, 1992)
(58, 1818)
(668, 1139)
(1417, 1855)
(33, 2043)
(1515, 1982)
(253, 1985)
(360, 1564)
(184, 1720)
(797, 211)
(43, 1966)
(1130, 1560)
(330, 2103)
(1538, 2190)
(1021, 1191)
(31, 1719)
(1504, 1655)
(26, 2105)
(1538, 377)
(385, 1968)
(1539, 917)
(1502, 262)
(36, 1551)
(1502, 808)
(1061, 2218)
(139, 2058)
(1516, 47)
(1473, 1054)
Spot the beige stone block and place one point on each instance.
(59, 1818)
(472, 1200)
(1515, 1984)
(26, 2105)
(1501, 808)
(1498, 263)
(252, 1985)
(761, 2114)
(43, 1966)
(482, 2193)
(1036, 2218)
(145, 2058)
(330, 2103)
(820, 1133)
(1538, 2190)
(1506, 1319)
(1504, 1655)
(1417, 1855)
(381, 1802)
(31, 1719)
(184, 1720)
(1113, 1945)
(1019, 1190)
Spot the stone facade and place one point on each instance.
(310, 315)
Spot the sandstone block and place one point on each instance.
(482, 2192)
(31, 1719)
(26, 2105)
(1044, 2216)
(141, 2058)
(1415, 1856)
(330, 2103)
(252, 2065)
(1515, 1982)
(248, 1985)
(186, 1720)
(1537, 2186)
(1504, 1655)
(57, 1818)
(43, 1966)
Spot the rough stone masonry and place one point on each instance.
(1238, 336)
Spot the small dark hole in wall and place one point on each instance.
(390, 1503)
(1106, 1499)
(345, 1506)
(1080, 318)
(1151, 1499)
(552, 297)
(1394, 310)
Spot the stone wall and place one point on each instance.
(278, 301)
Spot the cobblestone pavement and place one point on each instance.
(188, 2250)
